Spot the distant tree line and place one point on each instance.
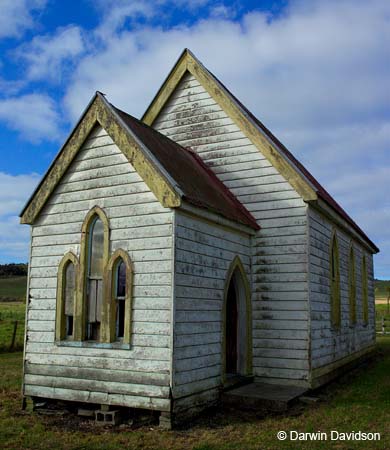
(13, 270)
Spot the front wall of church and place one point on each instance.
(136, 377)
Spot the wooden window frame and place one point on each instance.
(109, 308)
(352, 285)
(60, 328)
(335, 297)
(80, 322)
(364, 274)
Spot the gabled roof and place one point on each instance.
(171, 172)
(199, 184)
(279, 156)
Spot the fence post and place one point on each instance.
(383, 325)
(14, 335)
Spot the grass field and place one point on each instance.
(381, 288)
(12, 308)
(358, 401)
(9, 313)
(13, 288)
(381, 311)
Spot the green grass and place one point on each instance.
(13, 288)
(9, 313)
(380, 312)
(358, 401)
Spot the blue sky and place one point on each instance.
(316, 72)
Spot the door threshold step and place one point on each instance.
(235, 381)
(262, 396)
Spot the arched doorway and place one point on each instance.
(231, 329)
(237, 324)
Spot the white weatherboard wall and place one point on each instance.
(330, 345)
(139, 377)
(279, 262)
(204, 253)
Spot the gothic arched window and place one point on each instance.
(66, 296)
(352, 287)
(335, 283)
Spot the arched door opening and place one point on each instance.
(231, 329)
(237, 332)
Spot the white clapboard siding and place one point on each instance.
(192, 118)
(204, 254)
(328, 345)
(89, 396)
(137, 377)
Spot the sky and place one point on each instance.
(315, 72)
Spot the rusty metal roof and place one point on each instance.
(199, 184)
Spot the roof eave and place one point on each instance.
(100, 111)
(167, 86)
(57, 155)
(323, 206)
(215, 217)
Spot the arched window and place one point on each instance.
(352, 287)
(119, 294)
(365, 290)
(70, 292)
(95, 278)
(94, 254)
(66, 295)
(335, 283)
(120, 297)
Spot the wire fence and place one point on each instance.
(383, 325)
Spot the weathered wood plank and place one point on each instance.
(107, 386)
(98, 397)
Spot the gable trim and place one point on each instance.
(300, 179)
(188, 62)
(101, 112)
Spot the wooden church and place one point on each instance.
(177, 254)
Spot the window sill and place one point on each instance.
(93, 344)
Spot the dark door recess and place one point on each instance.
(231, 330)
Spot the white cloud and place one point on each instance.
(14, 240)
(14, 192)
(318, 76)
(11, 87)
(327, 65)
(35, 116)
(51, 57)
(221, 11)
(117, 12)
(18, 15)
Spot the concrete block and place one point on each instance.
(107, 417)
